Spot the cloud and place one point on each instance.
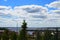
(55, 4)
(34, 8)
(31, 11)
(56, 12)
(6, 17)
(34, 15)
(6, 12)
(39, 15)
(5, 7)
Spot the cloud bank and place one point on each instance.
(55, 4)
(35, 15)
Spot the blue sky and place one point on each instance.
(24, 2)
(37, 13)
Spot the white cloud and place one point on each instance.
(7, 23)
(35, 16)
(5, 9)
(55, 4)
(30, 10)
(56, 12)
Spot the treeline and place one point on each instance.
(5, 34)
(22, 35)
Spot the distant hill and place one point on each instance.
(2, 28)
(16, 29)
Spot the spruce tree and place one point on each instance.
(22, 34)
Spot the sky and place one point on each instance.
(37, 13)
(14, 3)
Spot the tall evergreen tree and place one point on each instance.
(22, 34)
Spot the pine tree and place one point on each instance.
(22, 35)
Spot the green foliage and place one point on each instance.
(42, 36)
(0, 36)
(56, 35)
(24, 26)
(22, 34)
(13, 36)
(3, 28)
(48, 35)
(38, 36)
(5, 35)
